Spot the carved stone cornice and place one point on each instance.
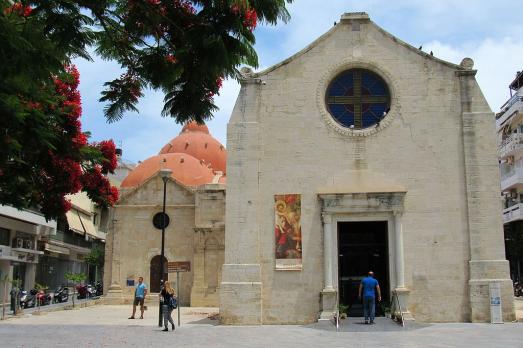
(362, 202)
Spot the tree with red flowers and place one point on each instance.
(54, 159)
(181, 47)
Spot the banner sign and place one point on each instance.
(287, 231)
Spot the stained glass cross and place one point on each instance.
(357, 100)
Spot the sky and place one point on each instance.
(489, 32)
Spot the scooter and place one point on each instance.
(43, 298)
(61, 294)
(28, 298)
(99, 289)
(91, 290)
(81, 289)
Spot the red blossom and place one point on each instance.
(19, 9)
(99, 188)
(248, 15)
(251, 18)
(113, 196)
(66, 205)
(219, 82)
(80, 140)
(171, 58)
(108, 150)
(34, 106)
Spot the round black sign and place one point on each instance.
(158, 220)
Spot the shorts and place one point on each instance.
(138, 300)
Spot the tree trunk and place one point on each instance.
(17, 293)
(3, 300)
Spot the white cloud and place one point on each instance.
(496, 61)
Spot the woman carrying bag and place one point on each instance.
(168, 304)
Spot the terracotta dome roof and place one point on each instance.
(186, 169)
(196, 141)
(195, 127)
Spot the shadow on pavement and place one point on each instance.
(205, 321)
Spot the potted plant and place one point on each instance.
(344, 310)
(75, 278)
(40, 288)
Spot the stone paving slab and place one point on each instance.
(108, 326)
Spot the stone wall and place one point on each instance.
(134, 240)
(281, 140)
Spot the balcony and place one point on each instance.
(513, 213)
(512, 175)
(19, 254)
(511, 145)
(513, 105)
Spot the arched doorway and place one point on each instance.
(155, 273)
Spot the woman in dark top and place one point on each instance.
(167, 293)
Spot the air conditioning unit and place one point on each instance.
(28, 244)
(513, 194)
(19, 243)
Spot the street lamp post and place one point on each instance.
(165, 173)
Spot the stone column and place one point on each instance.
(198, 286)
(114, 292)
(241, 285)
(401, 291)
(400, 265)
(328, 294)
(487, 251)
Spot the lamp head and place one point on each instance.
(165, 173)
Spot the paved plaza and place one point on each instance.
(108, 326)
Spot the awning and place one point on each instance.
(80, 223)
(56, 249)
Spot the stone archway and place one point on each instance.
(154, 273)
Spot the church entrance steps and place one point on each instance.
(381, 324)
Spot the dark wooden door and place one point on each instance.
(363, 247)
(155, 273)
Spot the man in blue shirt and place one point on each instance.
(369, 286)
(139, 297)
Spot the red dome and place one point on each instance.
(195, 127)
(194, 141)
(186, 169)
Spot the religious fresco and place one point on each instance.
(287, 230)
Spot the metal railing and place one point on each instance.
(511, 143)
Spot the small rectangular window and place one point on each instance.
(4, 236)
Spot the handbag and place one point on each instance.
(173, 302)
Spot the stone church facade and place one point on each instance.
(375, 137)
(195, 206)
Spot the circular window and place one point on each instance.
(161, 220)
(358, 99)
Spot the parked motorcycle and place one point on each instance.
(61, 294)
(81, 289)
(43, 298)
(99, 289)
(28, 298)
